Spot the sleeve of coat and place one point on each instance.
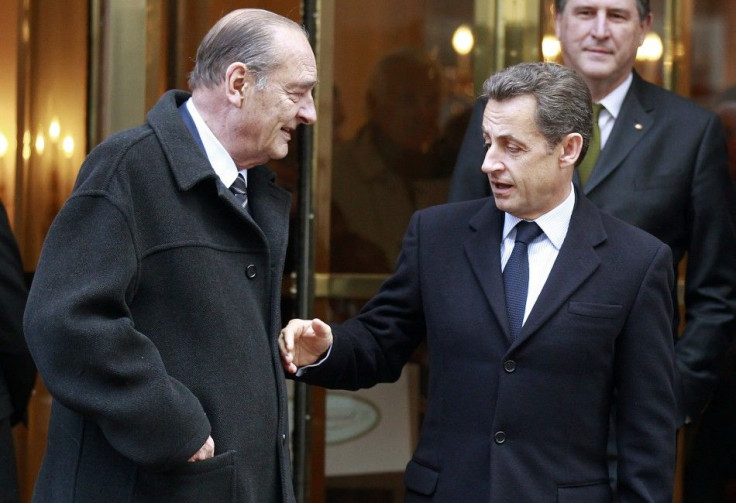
(710, 295)
(646, 416)
(92, 359)
(374, 346)
(16, 365)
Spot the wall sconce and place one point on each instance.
(651, 49)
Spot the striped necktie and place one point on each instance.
(240, 189)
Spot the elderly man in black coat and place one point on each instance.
(155, 306)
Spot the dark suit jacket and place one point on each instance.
(153, 317)
(663, 169)
(524, 421)
(17, 372)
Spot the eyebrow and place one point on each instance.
(306, 84)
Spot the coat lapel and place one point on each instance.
(482, 249)
(633, 123)
(270, 206)
(576, 261)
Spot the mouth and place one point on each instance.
(500, 188)
(597, 51)
(287, 133)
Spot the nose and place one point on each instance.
(307, 112)
(490, 162)
(600, 25)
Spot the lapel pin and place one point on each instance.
(638, 126)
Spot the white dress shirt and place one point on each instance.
(612, 104)
(544, 249)
(219, 158)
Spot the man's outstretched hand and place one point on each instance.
(302, 342)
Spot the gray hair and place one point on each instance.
(641, 5)
(564, 103)
(246, 36)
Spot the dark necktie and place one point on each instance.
(240, 189)
(594, 149)
(516, 275)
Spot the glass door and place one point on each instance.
(397, 84)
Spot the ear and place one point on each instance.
(237, 80)
(645, 26)
(558, 20)
(571, 146)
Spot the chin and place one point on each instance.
(280, 153)
(501, 204)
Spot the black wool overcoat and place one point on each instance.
(153, 318)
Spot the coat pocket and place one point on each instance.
(213, 479)
(594, 310)
(589, 493)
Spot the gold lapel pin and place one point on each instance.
(638, 126)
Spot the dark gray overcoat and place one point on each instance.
(153, 318)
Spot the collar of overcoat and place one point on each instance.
(269, 203)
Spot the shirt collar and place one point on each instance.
(219, 158)
(554, 223)
(614, 100)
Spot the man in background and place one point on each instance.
(712, 449)
(17, 371)
(154, 309)
(662, 167)
(387, 171)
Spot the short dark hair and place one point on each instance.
(564, 104)
(243, 35)
(641, 5)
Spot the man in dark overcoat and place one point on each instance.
(155, 306)
(523, 369)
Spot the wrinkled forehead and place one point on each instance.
(510, 117)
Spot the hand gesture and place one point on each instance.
(302, 342)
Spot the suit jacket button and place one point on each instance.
(509, 366)
(499, 437)
(250, 271)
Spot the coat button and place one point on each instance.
(509, 366)
(250, 271)
(499, 437)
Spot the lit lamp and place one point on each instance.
(40, 144)
(651, 49)
(67, 146)
(463, 42)
(550, 48)
(54, 129)
(26, 145)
